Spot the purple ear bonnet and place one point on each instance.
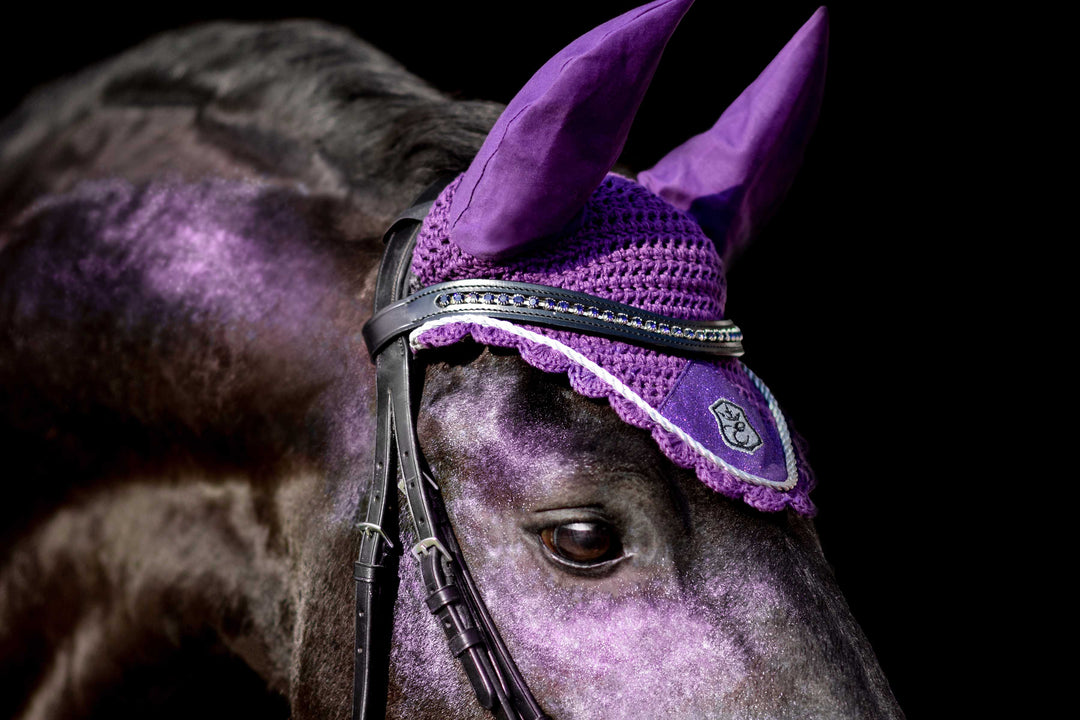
(539, 205)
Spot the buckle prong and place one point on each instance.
(367, 527)
(421, 548)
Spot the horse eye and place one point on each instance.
(583, 544)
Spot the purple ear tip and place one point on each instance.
(560, 135)
(732, 176)
(817, 26)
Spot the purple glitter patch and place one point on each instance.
(719, 406)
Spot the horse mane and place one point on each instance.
(298, 101)
(315, 140)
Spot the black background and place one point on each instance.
(855, 300)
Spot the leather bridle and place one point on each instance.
(452, 593)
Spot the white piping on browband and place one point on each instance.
(618, 386)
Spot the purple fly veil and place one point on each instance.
(542, 174)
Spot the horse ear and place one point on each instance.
(731, 177)
(560, 135)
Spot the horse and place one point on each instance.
(190, 248)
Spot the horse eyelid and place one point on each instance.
(589, 570)
(546, 534)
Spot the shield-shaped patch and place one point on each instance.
(736, 430)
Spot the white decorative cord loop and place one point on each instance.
(619, 387)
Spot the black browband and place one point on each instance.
(452, 594)
(551, 307)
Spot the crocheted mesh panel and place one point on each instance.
(630, 246)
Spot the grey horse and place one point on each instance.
(190, 235)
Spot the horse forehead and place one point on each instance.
(499, 409)
(501, 432)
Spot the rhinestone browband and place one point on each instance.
(711, 334)
(552, 307)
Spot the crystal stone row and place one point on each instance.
(533, 302)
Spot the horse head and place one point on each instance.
(612, 514)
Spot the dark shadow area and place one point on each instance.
(199, 680)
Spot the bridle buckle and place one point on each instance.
(421, 548)
(369, 527)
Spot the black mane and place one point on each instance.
(298, 101)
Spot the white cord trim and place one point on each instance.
(618, 386)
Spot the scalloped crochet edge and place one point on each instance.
(540, 353)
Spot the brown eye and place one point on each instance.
(582, 543)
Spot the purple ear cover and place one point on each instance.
(560, 135)
(731, 177)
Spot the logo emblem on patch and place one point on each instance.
(736, 430)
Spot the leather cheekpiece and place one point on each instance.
(453, 596)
